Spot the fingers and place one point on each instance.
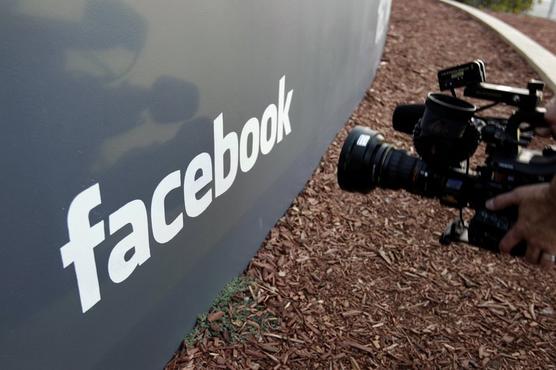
(546, 260)
(504, 200)
(533, 254)
(510, 240)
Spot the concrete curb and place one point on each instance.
(540, 59)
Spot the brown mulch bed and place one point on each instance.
(349, 281)
(541, 30)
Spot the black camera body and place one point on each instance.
(446, 132)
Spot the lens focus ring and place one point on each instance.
(360, 159)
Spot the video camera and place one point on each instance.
(446, 132)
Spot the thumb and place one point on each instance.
(543, 131)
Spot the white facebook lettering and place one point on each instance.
(134, 249)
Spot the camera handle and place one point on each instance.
(507, 143)
(484, 230)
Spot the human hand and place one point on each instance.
(536, 223)
(550, 118)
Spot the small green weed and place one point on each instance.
(237, 285)
(233, 315)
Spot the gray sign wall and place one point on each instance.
(147, 147)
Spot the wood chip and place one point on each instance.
(358, 346)
(215, 316)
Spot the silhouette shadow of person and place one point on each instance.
(72, 117)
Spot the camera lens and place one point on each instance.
(367, 162)
(362, 153)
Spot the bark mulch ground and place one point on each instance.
(348, 281)
(541, 30)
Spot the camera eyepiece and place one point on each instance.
(446, 116)
(445, 135)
